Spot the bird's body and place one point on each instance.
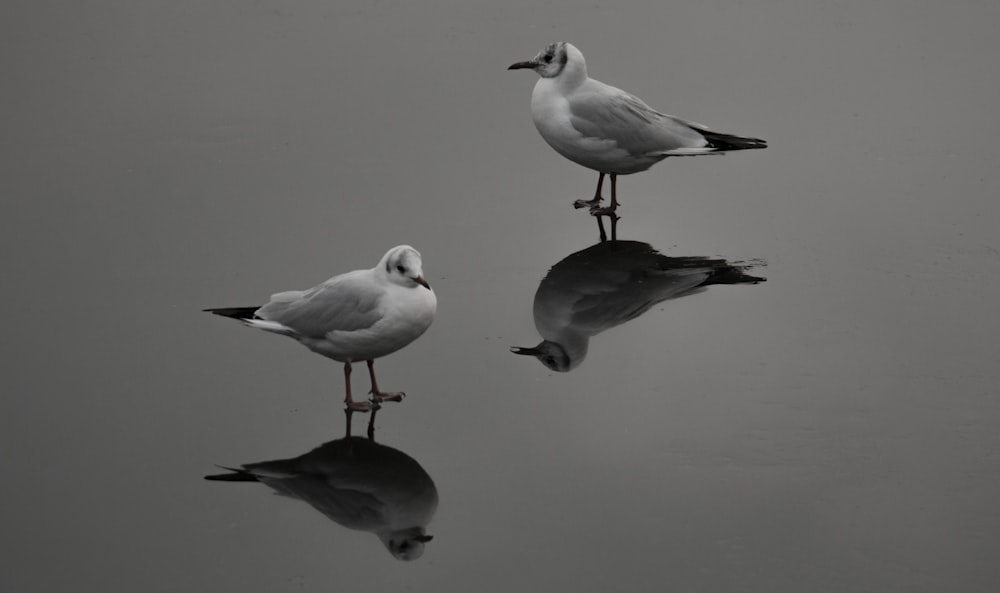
(359, 315)
(336, 320)
(606, 129)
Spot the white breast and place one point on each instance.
(551, 114)
(407, 314)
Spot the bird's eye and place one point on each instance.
(548, 58)
(400, 269)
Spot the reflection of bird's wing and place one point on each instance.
(599, 311)
(329, 492)
(604, 112)
(350, 508)
(343, 303)
(565, 291)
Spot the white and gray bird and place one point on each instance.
(359, 315)
(607, 129)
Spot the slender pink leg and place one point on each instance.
(379, 395)
(348, 402)
(596, 211)
(609, 211)
(594, 203)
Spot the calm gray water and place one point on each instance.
(832, 429)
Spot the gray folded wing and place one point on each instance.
(345, 303)
(607, 113)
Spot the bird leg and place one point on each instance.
(614, 192)
(371, 426)
(348, 412)
(596, 210)
(349, 403)
(614, 227)
(594, 203)
(376, 393)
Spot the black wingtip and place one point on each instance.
(720, 270)
(234, 312)
(726, 142)
(235, 475)
(735, 274)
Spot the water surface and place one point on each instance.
(832, 429)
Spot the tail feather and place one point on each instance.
(719, 271)
(733, 275)
(235, 475)
(736, 273)
(723, 142)
(241, 313)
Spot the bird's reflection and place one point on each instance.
(610, 283)
(359, 484)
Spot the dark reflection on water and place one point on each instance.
(359, 484)
(610, 283)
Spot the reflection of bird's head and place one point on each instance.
(551, 354)
(406, 544)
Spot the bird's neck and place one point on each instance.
(573, 75)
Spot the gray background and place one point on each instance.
(834, 429)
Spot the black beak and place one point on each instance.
(524, 351)
(519, 65)
(424, 538)
(420, 280)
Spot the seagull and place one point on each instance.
(359, 315)
(607, 129)
(611, 283)
(358, 484)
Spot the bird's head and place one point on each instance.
(552, 60)
(403, 266)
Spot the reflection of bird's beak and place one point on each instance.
(420, 280)
(424, 538)
(525, 351)
(519, 65)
